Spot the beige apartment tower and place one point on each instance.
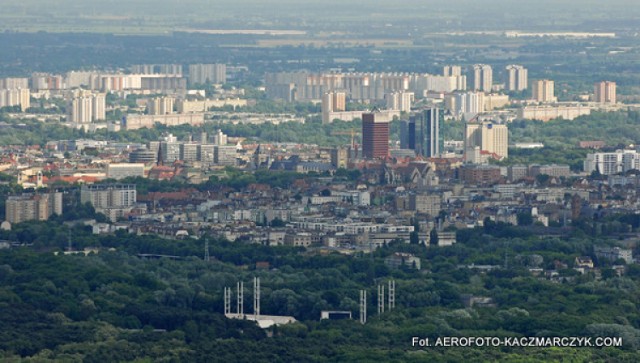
(28, 207)
(604, 92)
(489, 137)
(334, 101)
(543, 91)
(517, 78)
(482, 77)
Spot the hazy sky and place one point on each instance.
(492, 14)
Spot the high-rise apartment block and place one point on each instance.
(87, 107)
(15, 97)
(466, 104)
(375, 136)
(160, 106)
(334, 101)
(168, 69)
(399, 100)
(543, 90)
(517, 78)
(28, 207)
(207, 73)
(112, 200)
(604, 92)
(45, 81)
(14, 83)
(488, 137)
(452, 71)
(482, 77)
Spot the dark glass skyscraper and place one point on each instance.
(424, 133)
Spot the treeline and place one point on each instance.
(114, 306)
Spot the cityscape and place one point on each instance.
(398, 182)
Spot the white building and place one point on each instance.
(124, 170)
(612, 163)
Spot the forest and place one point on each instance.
(117, 306)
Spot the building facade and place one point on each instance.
(543, 90)
(604, 92)
(28, 207)
(375, 136)
(517, 78)
(482, 77)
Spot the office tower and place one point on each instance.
(207, 73)
(424, 133)
(482, 77)
(29, 207)
(189, 151)
(489, 137)
(517, 78)
(404, 134)
(604, 92)
(206, 153)
(543, 90)
(160, 106)
(399, 100)
(169, 151)
(452, 71)
(375, 136)
(433, 123)
(334, 101)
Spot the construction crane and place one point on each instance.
(351, 133)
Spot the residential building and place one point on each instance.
(402, 259)
(14, 83)
(482, 77)
(27, 207)
(399, 100)
(612, 162)
(517, 78)
(332, 102)
(207, 73)
(480, 174)
(614, 253)
(489, 137)
(604, 92)
(86, 107)
(113, 200)
(467, 104)
(452, 71)
(546, 113)
(543, 91)
(160, 106)
(425, 203)
(15, 97)
(125, 170)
